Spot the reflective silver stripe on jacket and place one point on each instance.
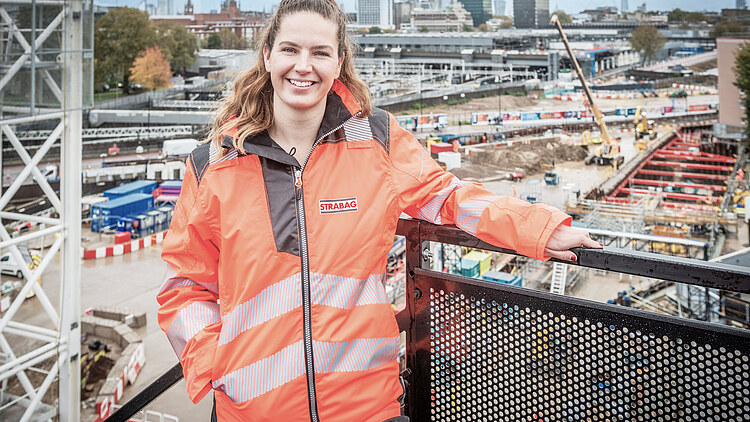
(285, 296)
(288, 364)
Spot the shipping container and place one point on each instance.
(107, 214)
(139, 186)
(505, 278)
(143, 224)
(469, 268)
(483, 258)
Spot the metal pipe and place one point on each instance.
(32, 328)
(40, 393)
(33, 119)
(20, 363)
(28, 334)
(33, 218)
(30, 236)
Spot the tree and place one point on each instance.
(119, 36)
(726, 27)
(177, 44)
(230, 40)
(563, 17)
(506, 22)
(468, 28)
(678, 15)
(742, 80)
(151, 69)
(483, 27)
(647, 40)
(213, 42)
(374, 30)
(424, 29)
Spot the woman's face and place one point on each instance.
(303, 61)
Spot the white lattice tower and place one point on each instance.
(57, 334)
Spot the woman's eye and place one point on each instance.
(322, 53)
(287, 50)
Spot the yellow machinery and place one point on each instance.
(609, 153)
(644, 128)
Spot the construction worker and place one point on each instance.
(273, 297)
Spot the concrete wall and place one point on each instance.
(730, 112)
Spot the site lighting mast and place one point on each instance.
(597, 114)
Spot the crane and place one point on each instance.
(608, 154)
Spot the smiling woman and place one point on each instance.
(274, 294)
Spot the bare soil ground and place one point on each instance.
(492, 162)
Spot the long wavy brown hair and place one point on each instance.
(250, 106)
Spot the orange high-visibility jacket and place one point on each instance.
(274, 294)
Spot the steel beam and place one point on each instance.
(683, 175)
(717, 188)
(690, 165)
(718, 159)
(673, 195)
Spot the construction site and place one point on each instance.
(646, 166)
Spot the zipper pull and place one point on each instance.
(298, 182)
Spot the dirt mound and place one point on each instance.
(529, 156)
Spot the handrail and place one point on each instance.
(149, 394)
(691, 271)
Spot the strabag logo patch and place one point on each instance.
(332, 206)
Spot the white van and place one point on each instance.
(8, 265)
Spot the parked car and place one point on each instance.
(8, 265)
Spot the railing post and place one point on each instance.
(413, 255)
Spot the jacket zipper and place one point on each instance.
(306, 290)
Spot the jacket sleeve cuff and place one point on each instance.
(557, 218)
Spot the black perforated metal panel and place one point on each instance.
(486, 352)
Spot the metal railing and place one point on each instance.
(480, 350)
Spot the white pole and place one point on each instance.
(70, 188)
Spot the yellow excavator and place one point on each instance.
(607, 154)
(644, 129)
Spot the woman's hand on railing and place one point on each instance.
(564, 238)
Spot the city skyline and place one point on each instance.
(569, 6)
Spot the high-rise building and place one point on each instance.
(624, 6)
(402, 13)
(375, 13)
(498, 8)
(165, 7)
(530, 13)
(481, 10)
(740, 4)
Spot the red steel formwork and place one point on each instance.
(681, 174)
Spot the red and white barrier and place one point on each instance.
(124, 248)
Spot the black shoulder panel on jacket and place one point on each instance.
(199, 159)
(380, 126)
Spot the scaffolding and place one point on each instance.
(46, 63)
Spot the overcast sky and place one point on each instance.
(569, 6)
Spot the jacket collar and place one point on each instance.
(340, 107)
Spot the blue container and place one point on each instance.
(107, 213)
(139, 186)
(125, 224)
(505, 278)
(469, 268)
(143, 224)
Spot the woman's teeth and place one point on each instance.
(300, 84)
